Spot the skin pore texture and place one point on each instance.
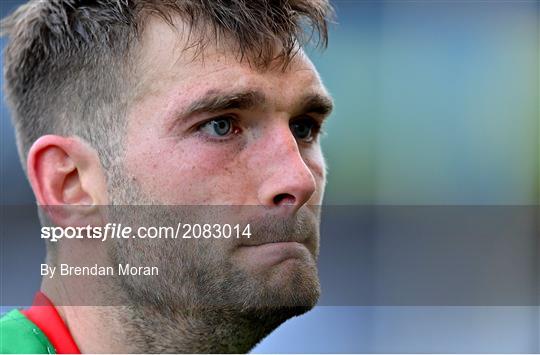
(211, 295)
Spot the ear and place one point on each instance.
(67, 172)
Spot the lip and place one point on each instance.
(256, 242)
(271, 244)
(273, 253)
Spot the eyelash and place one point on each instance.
(317, 127)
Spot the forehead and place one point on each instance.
(169, 64)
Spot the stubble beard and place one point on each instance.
(202, 301)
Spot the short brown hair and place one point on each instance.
(67, 61)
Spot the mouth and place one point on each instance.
(272, 253)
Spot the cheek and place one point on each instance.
(314, 160)
(185, 172)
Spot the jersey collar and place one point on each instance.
(46, 317)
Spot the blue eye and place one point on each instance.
(219, 127)
(305, 129)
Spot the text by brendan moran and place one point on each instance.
(97, 270)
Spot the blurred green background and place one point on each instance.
(437, 102)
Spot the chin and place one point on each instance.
(293, 283)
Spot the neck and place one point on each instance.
(128, 326)
(197, 331)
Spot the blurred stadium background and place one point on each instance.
(437, 103)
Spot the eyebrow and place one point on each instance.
(215, 101)
(317, 103)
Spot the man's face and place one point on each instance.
(213, 130)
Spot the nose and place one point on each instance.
(287, 180)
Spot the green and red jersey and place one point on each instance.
(37, 330)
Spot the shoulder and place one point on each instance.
(20, 335)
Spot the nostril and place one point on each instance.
(284, 199)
